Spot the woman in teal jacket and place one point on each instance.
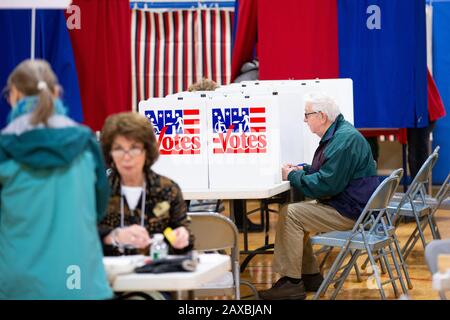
(53, 190)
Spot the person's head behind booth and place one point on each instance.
(203, 85)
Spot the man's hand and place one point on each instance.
(287, 168)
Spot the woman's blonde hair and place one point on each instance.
(36, 78)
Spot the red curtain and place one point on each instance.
(245, 38)
(102, 49)
(298, 39)
(436, 108)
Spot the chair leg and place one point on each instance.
(345, 273)
(251, 286)
(397, 269)
(364, 265)
(402, 262)
(376, 273)
(414, 237)
(382, 266)
(407, 250)
(358, 273)
(390, 273)
(332, 272)
(267, 226)
(411, 238)
(436, 227)
(327, 254)
(433, 227)
(421, 234)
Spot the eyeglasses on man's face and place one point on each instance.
(307, 114)
(133, 152)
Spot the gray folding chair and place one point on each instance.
(214, 232)
(432, 251)
(435, 204)
(413, 204)
(430, 200)
(399, 174)
(399, 195)
(327, 250)
(374, 234)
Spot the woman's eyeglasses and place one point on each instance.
(133, 152)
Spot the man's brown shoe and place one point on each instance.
(284, 289)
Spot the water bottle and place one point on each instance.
(159, 248)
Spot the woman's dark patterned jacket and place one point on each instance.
(164, 207)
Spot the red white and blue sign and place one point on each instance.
(239, 130)
(177, 131)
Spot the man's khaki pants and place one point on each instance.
(294, 255)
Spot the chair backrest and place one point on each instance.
(441, 195)
(417, 190)
(443, 191)
(376, 208)
(397, 172)
(424, 172)
(213, 231)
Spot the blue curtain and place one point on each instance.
(387, 65)
(52, 44)
(441, 74)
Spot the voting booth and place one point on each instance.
(238, 136)
(298, 144)
(243, 141)
(180, 128)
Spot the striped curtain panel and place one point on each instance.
(173, 49)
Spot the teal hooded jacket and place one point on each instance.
(53, 191)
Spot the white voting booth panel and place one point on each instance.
(180, 128)
(290, 107)
(243, 142)
(291, 93)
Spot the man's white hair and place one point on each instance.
(321, 101)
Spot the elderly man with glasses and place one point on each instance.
(340, 180)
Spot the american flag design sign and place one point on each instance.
(177, 131)
(239, 130)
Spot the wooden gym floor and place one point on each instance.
(259, 271)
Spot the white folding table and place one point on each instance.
(237, 193)
(210, 267)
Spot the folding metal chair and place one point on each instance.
(434, 204)
(373, 233)
(327, 250)
(413, 204)
(214, 232)
(399, 195)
